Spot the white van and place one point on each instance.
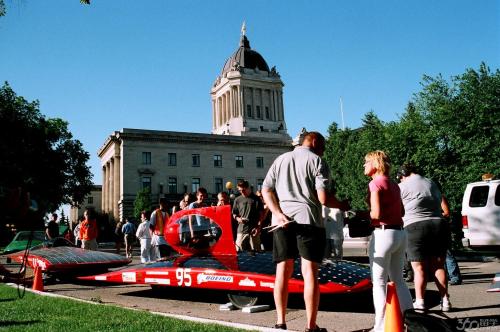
(481, 213)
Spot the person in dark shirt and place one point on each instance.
(248, 212)
(52, 229)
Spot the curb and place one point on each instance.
(182, 317)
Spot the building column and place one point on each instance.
(240, 97)
(231, 102)
(111, 186)
(214, 116)
(103, 193)
(116, 187)
(273, 111)
(282, 113)
(105, 182)
(228, 105)
(236, 101)
(226, 108)
(221, 111)
(108, 187)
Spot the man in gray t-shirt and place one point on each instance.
(294, 189)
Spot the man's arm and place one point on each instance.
(329, 200)
(236, 214)
(152, 221)
(272, 203)
(445, 208)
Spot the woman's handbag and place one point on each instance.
(359, 225)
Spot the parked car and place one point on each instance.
(481, 213)
(355, 242)
(20, 241)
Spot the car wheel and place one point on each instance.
(243, 299)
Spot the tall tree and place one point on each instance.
(39, 156)
(142, 202)
(464, 116)
(449, 130)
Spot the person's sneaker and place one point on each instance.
(419, 305)
(445, 304)
(455, 282)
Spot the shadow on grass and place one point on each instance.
(14, 323)
(8, 300)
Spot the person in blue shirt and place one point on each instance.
(128, 231)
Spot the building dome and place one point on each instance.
(245, 57)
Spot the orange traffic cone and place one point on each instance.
(393, 316)
(38, 280)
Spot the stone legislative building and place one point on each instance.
(248, 132)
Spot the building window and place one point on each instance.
(90, 200)
(196, 160)
(172, 185)
(172, 159)
(267, 112)
(146, 158)
(239, 161)
(218, 185)
(259, 184)
(257, 110)
(260, 162)
(195, 184)
(249, 111)
(146, 183)
(217, 160)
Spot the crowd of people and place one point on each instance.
(411, 229)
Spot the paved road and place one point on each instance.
(353, 312)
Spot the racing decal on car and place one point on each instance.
(159, 273)
(202, 277)
(102, 278)
(247, 282)
(267, 284)
(128, 277)
(159, 281)
(39, 263)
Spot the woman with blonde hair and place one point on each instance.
(388, 242)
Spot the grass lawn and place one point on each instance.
(43, 313)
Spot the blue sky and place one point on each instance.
(151, 64)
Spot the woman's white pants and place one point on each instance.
(387, 252)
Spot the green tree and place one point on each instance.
(345, 151)
(449, 130)
(3, 11)
(39, 156)
(142, 202)
(464, 116)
